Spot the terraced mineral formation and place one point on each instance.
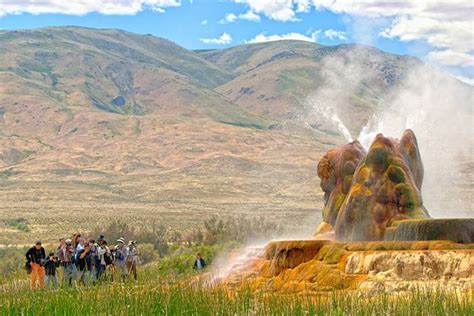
(319, 266)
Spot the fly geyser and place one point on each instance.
(377, 195)
(375, 234)
(365, 193)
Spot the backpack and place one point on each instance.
(108, 259)
(28, 267)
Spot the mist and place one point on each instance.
(435, 105)
(438, 109)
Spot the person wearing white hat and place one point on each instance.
(120, 256)
(132, 258)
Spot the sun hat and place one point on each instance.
(121, 239)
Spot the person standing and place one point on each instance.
(95, 260)
(199, 263)
(84, 264)
(80, 244)
(105, 257)
(65, 254)
(120, 256)
(35, 256)
(50, 266)
(132, 259)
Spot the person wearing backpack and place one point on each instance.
(35, 256)
(65, 254)
(120, 258)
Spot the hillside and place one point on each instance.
(275, 79)
(113, 71)
(134, 126)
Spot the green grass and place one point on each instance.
(171, 287)
(154, 294)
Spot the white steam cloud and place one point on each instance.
(436, 106)
(439, 110)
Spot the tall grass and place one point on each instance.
(154, 295)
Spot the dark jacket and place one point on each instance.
(34, 255)
(50, 267)
(84, 263)
(203, 263)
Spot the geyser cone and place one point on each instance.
(366, 193)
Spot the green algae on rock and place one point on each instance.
(336, 171)
(459, 230)
(366, 192)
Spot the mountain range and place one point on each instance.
(121, 124)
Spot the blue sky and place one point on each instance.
(438, 33)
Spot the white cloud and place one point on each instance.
(445, 25)
(250, 16)
(451, 58)
(221, 40)
(231, 17)
(81, 7)
(333, 34)
(228, 18)
(203, 22)
(280, 10)
(261, 38)
(308, 37)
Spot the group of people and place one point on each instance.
(82, 261)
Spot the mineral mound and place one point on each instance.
(336, 170)
(366, 193)
(386, 240)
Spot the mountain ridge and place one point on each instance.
(136, 126)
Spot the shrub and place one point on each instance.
(147, 253)
(19, 223)
(239, 229)
(12, 261)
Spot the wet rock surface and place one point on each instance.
(336, 170)
(370, 267)
(460, 230)
(367, 192)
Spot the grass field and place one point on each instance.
(156, 294)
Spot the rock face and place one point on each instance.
(412, 265)
(365, 194)
(336, 170)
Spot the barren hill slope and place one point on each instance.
(113, 124)
(275, 79)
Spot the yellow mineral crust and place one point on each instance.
(318, 266)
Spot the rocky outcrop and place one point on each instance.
(412, 265)
(336, 170)
(366, 193)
